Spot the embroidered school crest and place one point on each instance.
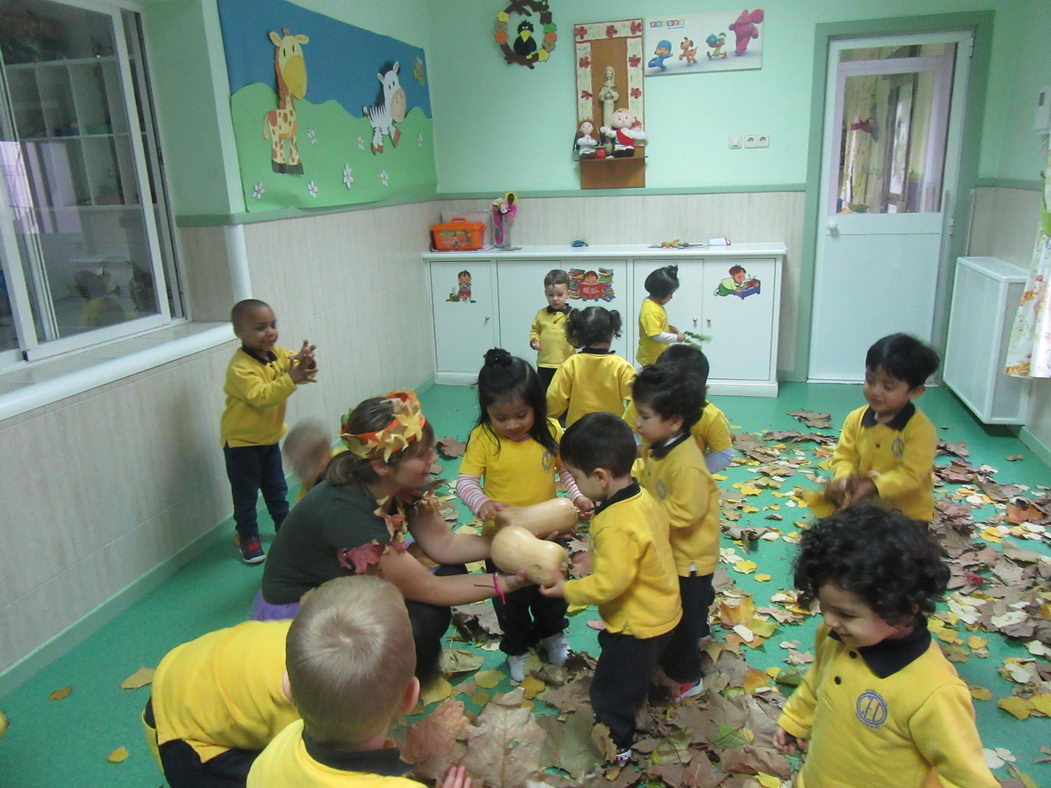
(871, 708)
(661, 490)
(897, 447)
(545, 461)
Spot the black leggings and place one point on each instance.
(429, 623)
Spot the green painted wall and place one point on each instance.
(189, 78)
(506, 127)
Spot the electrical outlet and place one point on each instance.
(762, 141)
(750, 139)
(735, 141)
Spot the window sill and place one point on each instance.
(26, 387)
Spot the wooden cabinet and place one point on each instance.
(731, 294)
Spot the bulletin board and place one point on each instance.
(324, 113)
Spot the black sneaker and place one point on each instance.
(251, 550)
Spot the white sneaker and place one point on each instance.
(557, 648)
(624, 757)
(516, 667)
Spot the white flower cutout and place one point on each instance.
(348, 176)
(312, 188)
(258, 190)
(384, 178)
(313, 136)
(361, 143)
(419, 140)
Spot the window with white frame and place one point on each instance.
(85, 234)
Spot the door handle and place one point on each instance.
(833, 229)
(695, 322)
(487, 318)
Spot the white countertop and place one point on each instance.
(615, 250)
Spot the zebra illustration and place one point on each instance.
(389, 108)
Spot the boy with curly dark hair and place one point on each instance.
(881, 705)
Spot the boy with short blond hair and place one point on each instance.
(259, 380)
(547, 334)
(633, 580)
(668, 402)
(309, 448)
(350, 661)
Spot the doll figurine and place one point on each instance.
(625, 130)
(586, 141)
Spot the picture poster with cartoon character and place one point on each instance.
(704, 42)
(738, 283)
(591, 285)
(324, 113)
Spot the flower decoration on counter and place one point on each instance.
(523, 48)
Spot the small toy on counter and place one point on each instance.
(676, 244)
(504, 209)
(578, 243)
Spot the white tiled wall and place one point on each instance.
(102, 487)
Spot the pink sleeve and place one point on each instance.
(569, 483)
(470, 492)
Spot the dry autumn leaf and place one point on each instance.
(437, 690)
(489, 678)
(119, 755)
(4, 724)
(503, 748)
(450, 448)
(431, 744)
(61, 694)
(140, 678)
(1017, 707)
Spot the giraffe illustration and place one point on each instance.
(280, 124)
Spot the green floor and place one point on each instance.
(66, 742)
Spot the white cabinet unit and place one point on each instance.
(731, 294)
(985, 298)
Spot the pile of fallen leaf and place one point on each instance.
(543, 732)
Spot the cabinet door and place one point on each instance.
(605, 283)
(686, 308)
(462, 296)
(520, 284)
(739, 309)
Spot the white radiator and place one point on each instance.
(985, 298)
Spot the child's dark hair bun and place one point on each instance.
(498, 357)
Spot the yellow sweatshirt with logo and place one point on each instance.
(549, 329)
(632, 580)
(680, 481)
(256, 394)
(711, 432)
(914, 726)
(898, 457)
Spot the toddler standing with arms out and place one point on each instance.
(672, 470)
(547, 335)
(515, 448)
(632, 573)
(259, 379)
(887, 448)
(596, 378)
(655, 334)
(712, 430)
(881, 705)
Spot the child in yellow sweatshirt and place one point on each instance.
(668, 400)
(887, 447)
(632, 579)
(881, 705)
(259, 379)
(547, 334)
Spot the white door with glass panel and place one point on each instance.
(893, 121)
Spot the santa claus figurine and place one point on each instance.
(626, 132)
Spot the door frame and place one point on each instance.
(980, 25)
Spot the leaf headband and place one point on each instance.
(404, 428)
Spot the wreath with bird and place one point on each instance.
(522, 48)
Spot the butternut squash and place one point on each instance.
(558, 515)
(516, 549)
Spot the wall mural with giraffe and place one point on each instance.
(358, 130)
